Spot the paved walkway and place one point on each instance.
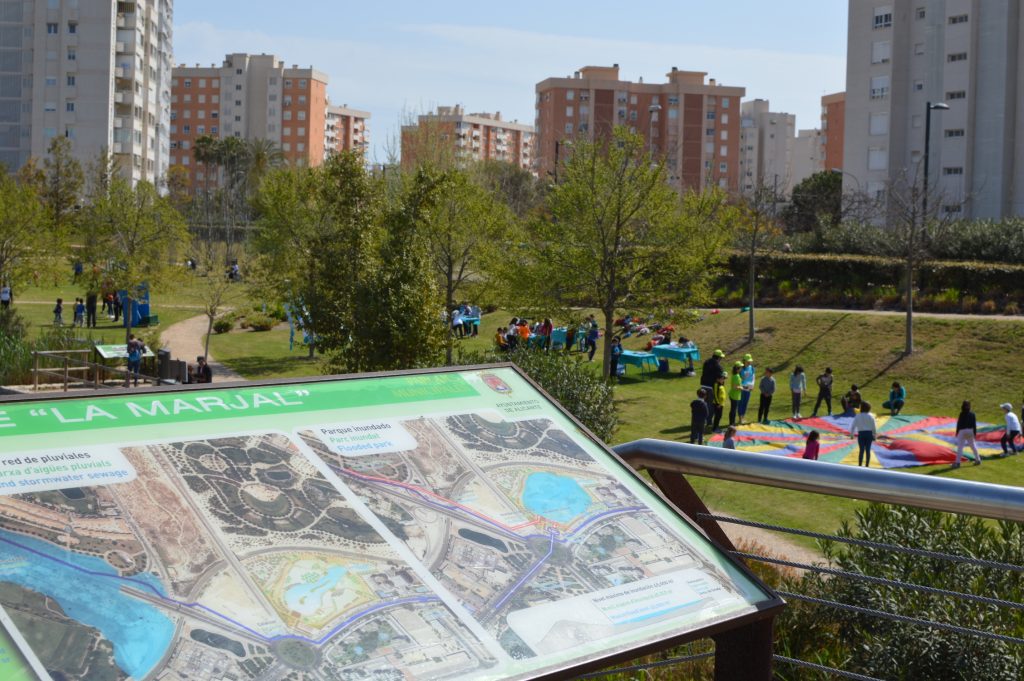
(185, 341)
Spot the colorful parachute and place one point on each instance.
(902, 440)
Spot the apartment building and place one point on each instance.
(808, 155)
(964, 54)
(467, 137)
(767, 141)
(692, 121)
(346, 130)
(97, 73)
(249, 96)
(833, 126)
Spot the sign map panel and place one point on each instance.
(450, 525)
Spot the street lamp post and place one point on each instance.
(932, 106)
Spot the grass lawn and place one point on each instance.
(956, 360)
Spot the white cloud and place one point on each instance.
(495, 69)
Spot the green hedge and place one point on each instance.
(840, 273)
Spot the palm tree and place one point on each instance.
(263, 155)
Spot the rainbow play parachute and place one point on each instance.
(902, 440)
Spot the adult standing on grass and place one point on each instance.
(966, 432)
(90, 309)
(1012, 430)
(735, 392)
(864, 429)
(767, 388)
(797, 386)
(698, 418)
(749, 375)
(591, 339)
(6, 297)
(824, 382)
(710, 372)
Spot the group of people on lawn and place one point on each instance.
(738, 385)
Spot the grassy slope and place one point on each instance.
(956, 360)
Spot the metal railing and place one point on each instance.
(668, 463)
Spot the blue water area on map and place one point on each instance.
(305, 597)
(138, 631)
(555, 497)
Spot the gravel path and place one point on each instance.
(185, 341)
(775, 544)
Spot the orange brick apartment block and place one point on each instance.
(694, 124)
(249, 97)
(467, 137)
(833, 125)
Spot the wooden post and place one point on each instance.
(745, 653)
(35, 371)
(65, 373)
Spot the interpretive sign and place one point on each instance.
(118, 351)
(434, 525)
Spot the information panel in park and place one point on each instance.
(437, 525)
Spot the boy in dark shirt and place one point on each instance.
(698, 417)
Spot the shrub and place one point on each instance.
(1011, 308)
(969, 304)
(568, 379)
(222, 325)
(260, 322)
(988, 307)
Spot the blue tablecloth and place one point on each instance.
(673, 351)
(639, 359)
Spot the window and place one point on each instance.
(879, 87)
(724, 136)
(72, 55)
(214, 114)
(286, 146)
(52, 29)
(918, 48)
(238, 87)
(188, 82)
(50, 106)
(570, 95)
(188, 98)
(302, 132)
(287, 115)
(201, 113)
(723, 150)
(302, 99)
(955, 132)
(673, 99)
(71, 80)
(725, 119)
(238, 72)
(200, 129)
(878, 159)
(568, 111)
(213, 129)
(878, 123)
(632, 100)
(711, 115)
(302, 115)
(953, 170)
(238, 119)
(918, 85)
(51, 81)
(956, 56)
(202, 99)
(215, 82)
(187, 130)
(286, 131)
(632, 115)
(920, 13)
(303, 83)
(881, 52)
(69, 107)
(710, 132)
(272, 112)
(722, 168)
(876, 190)
(202, 82)
(287, 83)
(300, 147)
(883, 17)
(238, 102)
(958, 19)
(673, 114)
(725, 102)
(952, 208)
(956, 94)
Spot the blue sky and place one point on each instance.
(398, 57)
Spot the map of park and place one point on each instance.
(228, 558)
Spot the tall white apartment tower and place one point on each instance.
(96, 72)
(767, 139)
(903, 54)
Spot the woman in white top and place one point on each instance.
(864, 429)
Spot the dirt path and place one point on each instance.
(894, 313)
(185, 341)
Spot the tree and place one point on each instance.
(913, 226)
(261, 156)
(756, 230)
(215, 290)
(515, 186)
(817, 202)
(28, 241)
(399, 304)
(619, 236)
(461, 230)
(314, 239)
(136, 236)
(62, 193)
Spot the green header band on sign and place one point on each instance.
(70, 415)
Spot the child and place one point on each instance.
(767, 392)
(718, 399)
(613, 369)
(797, 386)
(79, 312)
(811, 448)
(729, 441)
(58, 313)
(1012, 429)
(698, 418)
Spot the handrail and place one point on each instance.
(987, 500)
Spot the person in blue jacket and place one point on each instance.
(897, 398)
